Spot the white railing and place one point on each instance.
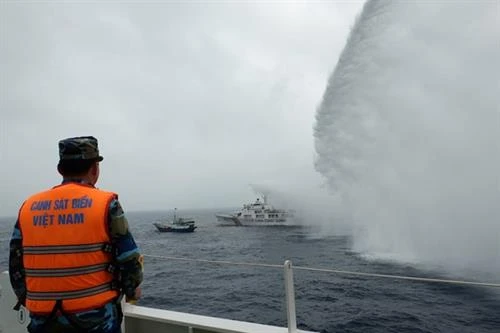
(290, 298)
(142, 319)
(289, 284)
(334, 271)
(151, 320)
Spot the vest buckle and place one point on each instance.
(108, 248)
(111, 268)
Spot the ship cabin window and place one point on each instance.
(258, 211)
(259, 216)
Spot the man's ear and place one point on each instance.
(94, 170)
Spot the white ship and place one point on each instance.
(257, 214)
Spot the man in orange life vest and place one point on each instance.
(72, 255)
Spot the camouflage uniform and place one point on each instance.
(106, 319)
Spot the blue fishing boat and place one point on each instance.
(180, 224)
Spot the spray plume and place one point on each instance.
(407, 134)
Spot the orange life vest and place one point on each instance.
(66, 249)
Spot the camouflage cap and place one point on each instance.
(79, 148)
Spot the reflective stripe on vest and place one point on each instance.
(66, 271)
(48, 296)
(66, 248)
(57, 249)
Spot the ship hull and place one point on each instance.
(227, 219)
(174, 228)
(234, 220)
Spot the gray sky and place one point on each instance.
(190, 102)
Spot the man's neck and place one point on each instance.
(76, 179)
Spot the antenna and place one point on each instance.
(263, 191)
